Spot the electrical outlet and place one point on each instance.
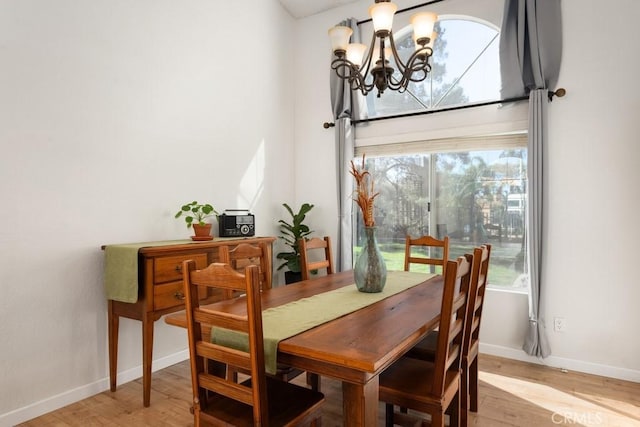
(559, 324)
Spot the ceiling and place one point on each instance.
(302, 8)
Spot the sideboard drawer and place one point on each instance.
(168, 269)
(168, 295)
(171, 294)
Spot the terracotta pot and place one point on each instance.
(202, 232)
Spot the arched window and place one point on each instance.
(465, 69)
(455, 173)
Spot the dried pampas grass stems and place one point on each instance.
(364, 192)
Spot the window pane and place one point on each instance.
(474, 197)
(465, 69)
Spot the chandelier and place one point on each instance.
(375, 70)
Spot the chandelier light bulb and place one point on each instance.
(339, 37)
(355, 53)
(382, 16)
(422, 24)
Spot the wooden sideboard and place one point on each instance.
(160, 292)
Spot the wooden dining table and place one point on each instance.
(356, 347)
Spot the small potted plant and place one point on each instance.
(291, 233)
(194, 214)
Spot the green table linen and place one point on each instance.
(293, 318)
(121, 269)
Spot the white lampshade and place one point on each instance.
(423, 23)
(382, 15)
(339, 36)
(432, 40)
(355, 53)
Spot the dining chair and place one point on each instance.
(311, 247)
(246, 254)
(238, 258)
(427, 348)
(433, 387)
(437, 252)
(253, 254)
(218, 400)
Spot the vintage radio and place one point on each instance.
(236, 223)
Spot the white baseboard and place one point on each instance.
(563, 363)
(71, 396)
(52, 403)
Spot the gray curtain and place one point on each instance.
(344, 110)
(530, 56)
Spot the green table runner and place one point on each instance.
(295, 317)
(121, 268)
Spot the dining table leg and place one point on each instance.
(360, 403)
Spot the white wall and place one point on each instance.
(112, 115)
(591, 192)
(103, 103)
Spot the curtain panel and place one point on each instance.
(530, 56)
(344, 111)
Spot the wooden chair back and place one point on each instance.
(432, 245)
(258, 254)
(427, 348)
(479, 272)
(219, 399)
(310, 247)
(223, 276)
(448, 356)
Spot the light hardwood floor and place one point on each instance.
(511, 393)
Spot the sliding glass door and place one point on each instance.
(474, 197)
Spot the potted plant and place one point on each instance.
(291, 233)
(194, 214)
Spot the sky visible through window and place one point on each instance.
(465, 70)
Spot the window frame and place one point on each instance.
(441, 130)
(500, 142)
(405, 31)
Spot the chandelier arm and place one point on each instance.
(342, 67)
(356, 75)
(419, 59)
(396, 57)
(368, 59)
(348, 71)
(366, 88)
(418, 72)
(417, 68)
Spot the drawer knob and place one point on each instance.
(179, 296)
(179, 267)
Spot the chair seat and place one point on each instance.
(408, 383)
(289, 404)
(425, 349)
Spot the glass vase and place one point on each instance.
(370, 271)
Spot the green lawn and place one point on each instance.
(500, 271)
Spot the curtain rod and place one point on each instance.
(440, 110)
(328, 125)
(406, 9)
(560, 92)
